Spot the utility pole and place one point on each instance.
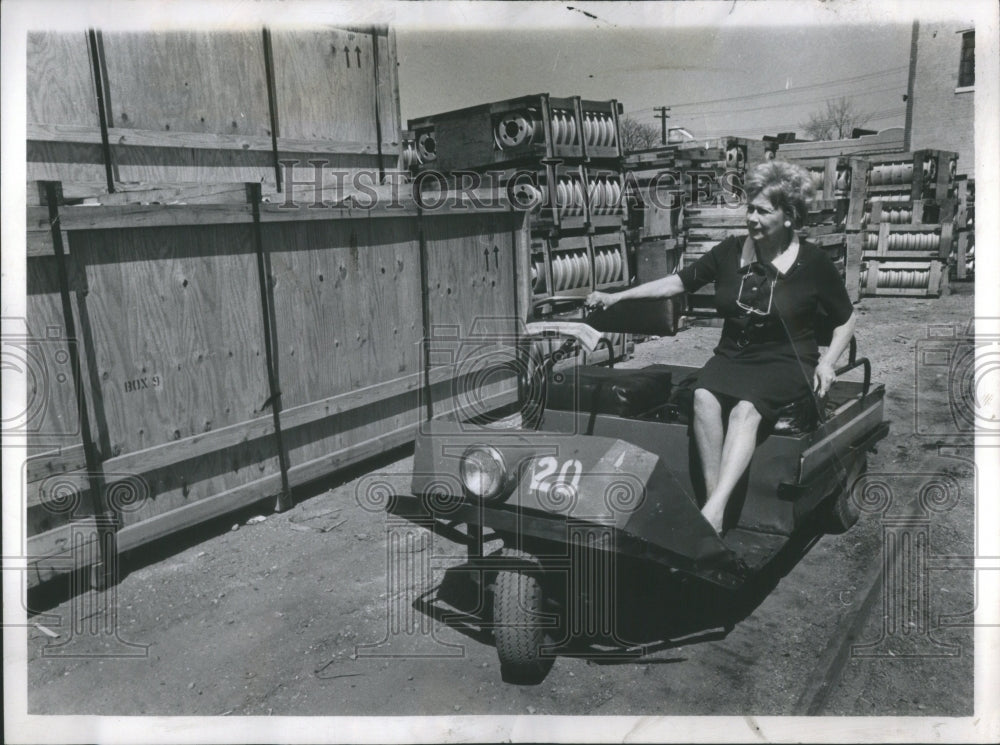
(663, 116)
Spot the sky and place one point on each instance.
(735, 79)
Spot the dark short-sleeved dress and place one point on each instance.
(767, 356)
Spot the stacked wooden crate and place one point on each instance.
(654, 192)
(690, 198)
(908, 226)
(963, 258)
(559, 159)
(210, 323)
(835, 214)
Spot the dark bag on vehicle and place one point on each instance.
(603, 390)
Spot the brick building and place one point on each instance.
(940, 105)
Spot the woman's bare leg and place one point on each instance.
(708, 436)
(737, 449)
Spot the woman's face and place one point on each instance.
(765, 222)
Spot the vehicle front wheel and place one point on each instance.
(842, 511)
(520, 629)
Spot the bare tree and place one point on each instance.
(637, 136)
(836, 122)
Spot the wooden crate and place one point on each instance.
(840, 188)
(611, 264)
(523, 130)
(225, 359)
(566, 198)
(656, 259)
(210, 107)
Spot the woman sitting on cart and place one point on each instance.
(769, 287)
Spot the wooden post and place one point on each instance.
(944, 247)
(960, 259)
(425, 316)
(871, 286)
(852, 268)
(883, 239)
(856, 209)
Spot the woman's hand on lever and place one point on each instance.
(823, 378)
(600, 300)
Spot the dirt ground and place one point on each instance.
(290, 615)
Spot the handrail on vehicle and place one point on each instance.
(853, 361)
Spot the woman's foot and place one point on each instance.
(714, 518)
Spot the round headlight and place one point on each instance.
(483, 471)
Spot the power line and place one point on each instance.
(787, 104)
(829, 83)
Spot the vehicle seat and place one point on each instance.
(603, 390)
(799, 417)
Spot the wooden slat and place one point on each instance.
(387, 89)
(43, 465)
(113, 218)
(193, 513)
(189, 140)
(84, 134)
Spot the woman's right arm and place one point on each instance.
(659, 288)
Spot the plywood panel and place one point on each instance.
(472, 303)
(471, 271)
(188, 81)
(39, 345)
(324, 83)
(172, 322)
(347, 312)
(176, 328)
(347, 302)
(60, 83)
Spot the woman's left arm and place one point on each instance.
(824, 376)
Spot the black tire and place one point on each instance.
(842, 511)
(518, 621)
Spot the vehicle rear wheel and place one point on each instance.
(519, 629)
(842, 511)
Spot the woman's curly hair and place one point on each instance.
(788, 187)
